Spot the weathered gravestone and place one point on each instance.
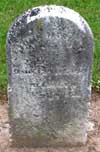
(49, 53)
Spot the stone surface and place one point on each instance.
(49, 55)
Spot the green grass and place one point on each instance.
(10, 9)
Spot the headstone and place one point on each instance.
(49, 54)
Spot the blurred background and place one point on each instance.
(10, 9)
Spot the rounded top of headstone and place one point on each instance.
(57, 11)
(53, 11)
(54, 36)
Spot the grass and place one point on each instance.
(10, 9)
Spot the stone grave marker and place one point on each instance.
(49, 56)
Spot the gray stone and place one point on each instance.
(49, 55)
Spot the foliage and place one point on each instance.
(10, 9)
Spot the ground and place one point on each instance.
(93, 143)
